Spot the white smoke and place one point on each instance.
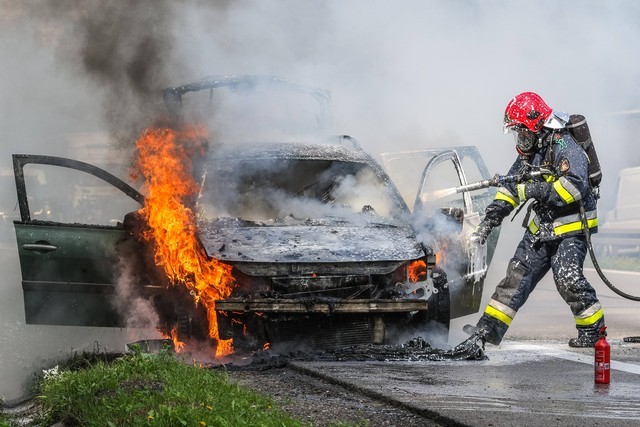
(137, 312)
(264, 189)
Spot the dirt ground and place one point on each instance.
(321, 403)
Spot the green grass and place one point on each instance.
(4, 420)
(158, 390)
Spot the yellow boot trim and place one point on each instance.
(590, 320)
(496, 314)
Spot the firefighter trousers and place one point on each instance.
(531, 261)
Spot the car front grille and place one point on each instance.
(320, 331)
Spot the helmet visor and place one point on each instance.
(525, 139)
(507, 124)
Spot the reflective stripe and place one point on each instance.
(566, 224)
(505, 195)
(589, 311)
(589, 320)
(503, 308)
(534, 224)
(572, 223)
(521, 194)
(569, 219)
(574, 226)
(562, 192)
(496, 314)
(568, 185)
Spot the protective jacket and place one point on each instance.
(555, 213)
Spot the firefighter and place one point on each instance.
(554, 238)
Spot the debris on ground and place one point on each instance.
(416, 349)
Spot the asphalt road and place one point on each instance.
(521, 384)
(533, 378)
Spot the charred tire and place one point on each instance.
(246, 329)
(192, 323)
(177, 312)
(435, 318)
(439, 307)
(439, 304)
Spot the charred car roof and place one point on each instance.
(299, 150)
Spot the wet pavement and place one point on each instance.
(533, 378)
(533, 383)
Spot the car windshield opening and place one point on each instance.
(272, 189)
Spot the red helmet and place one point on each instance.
(526, 109)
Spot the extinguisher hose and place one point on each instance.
(606, 281)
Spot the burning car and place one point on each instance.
(303, 241)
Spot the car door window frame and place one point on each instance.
(21, 160)
(436, 160)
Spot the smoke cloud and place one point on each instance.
(403, 75)
(137, 312)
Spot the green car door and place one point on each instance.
(72, 245)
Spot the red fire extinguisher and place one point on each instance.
(603, 358)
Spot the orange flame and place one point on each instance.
(441, 257)
(165, 161)
(417, 271)
(177, 344)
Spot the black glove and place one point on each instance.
(533, 190)
(479, 236)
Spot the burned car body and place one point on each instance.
(321, 245)
(324, 249)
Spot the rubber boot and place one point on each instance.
(484, 332)
(587, 335)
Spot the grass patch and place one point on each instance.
(158, 390)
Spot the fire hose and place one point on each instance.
(499, 180)
(606, 281)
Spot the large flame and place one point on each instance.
(165, 162)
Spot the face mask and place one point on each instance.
(525, 140)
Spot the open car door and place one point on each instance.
(444, 218)
(69, 236)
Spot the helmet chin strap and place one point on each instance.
(523, 155)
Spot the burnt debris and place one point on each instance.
(416, 349)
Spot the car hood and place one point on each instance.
(308, 241)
